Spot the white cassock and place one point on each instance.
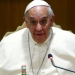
(15, 52)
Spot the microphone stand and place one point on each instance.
(61, 67)
(51, 58)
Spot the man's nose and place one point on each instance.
(38, 27)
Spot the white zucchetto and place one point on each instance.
(36, 3)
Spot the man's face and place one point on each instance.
(39, 23)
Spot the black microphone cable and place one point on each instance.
(51, 58)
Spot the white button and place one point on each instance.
(43, 72)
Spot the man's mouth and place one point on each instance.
(39, 34)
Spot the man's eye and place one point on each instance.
(43, 22)
(33, 22)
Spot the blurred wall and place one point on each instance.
(12, 12)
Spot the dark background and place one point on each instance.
(12, 12)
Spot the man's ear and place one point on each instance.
(52, 19)
(25, 22)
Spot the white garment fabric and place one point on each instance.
(14, 52)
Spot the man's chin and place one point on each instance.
(40, 40)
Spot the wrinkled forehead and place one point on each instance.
(38, 12)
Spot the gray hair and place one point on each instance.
(51, 13)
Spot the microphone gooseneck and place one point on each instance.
(51, 58)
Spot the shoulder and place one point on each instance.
(63, 43)
(15, 36)
(63, 33)
(63, 40)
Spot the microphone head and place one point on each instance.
(50, 56)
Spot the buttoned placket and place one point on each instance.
(38, 54)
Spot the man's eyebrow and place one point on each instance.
(31, 18)
(45, 17)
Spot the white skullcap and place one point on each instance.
(36, 3)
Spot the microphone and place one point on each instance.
(51, 58)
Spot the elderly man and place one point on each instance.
(31, 46)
